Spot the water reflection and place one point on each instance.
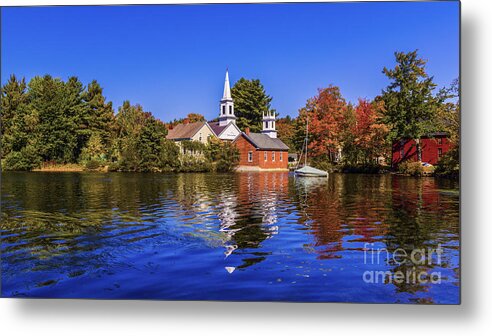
(254, 236)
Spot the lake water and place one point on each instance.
(247, 236)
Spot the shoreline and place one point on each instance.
(69, 168)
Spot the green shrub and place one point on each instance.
(92, 165)
(411, 168)
(169, 158)
(114, 167)
(227, 158)
(449, 165)
(192, 164)
(25, 159)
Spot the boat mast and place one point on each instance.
(306, 140)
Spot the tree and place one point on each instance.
(56, 131)
(449, 112)
(369, 134)
(26, 158)
(449, 122)
(75, 115)
(149, 148)
(286, 131)
(169, 156)
(224, 153)
(129, 122)
(94, 149)
(250, 102)
(410, 105)
(139, 138)
(100, 115)
(194, 117)
(326, 113)
(228, 157)
(15, 120)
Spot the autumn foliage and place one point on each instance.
(190, 118)
(339, 132)
(369, 134)
(326, 113)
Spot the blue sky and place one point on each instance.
(172, 59)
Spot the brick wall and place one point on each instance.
(245, 146)
(269, 162)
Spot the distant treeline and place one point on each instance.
(358, 137)
(50, 120)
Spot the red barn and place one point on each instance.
(259, 151)
(433, 146)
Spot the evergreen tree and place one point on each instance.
(15, 119)
(59, 108)
(100, 116)
(46, 102)
(250, 102)
(75, 116)
(149, 144)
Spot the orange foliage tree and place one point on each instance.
(194, 117)
(341, 132)
(190, 118)
(327, 114)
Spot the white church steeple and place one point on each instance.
(227, 87)
(226, 115)
(269, 124)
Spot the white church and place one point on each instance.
(274, 153)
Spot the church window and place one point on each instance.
(223, 109)
(250, 156)
(281, 156)
(273, 156)
(230, 109)
(265, 156)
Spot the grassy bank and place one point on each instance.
(68, 167)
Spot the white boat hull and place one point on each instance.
(308, 171)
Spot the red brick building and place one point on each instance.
(433, 146)
(259, 151)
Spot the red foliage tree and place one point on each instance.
(368, 133)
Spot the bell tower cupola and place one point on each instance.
(226, 115)
(269, 124)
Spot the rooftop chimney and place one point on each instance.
(246, 131)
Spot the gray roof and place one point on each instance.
(216, 127)
(263, 141)
(184, 131)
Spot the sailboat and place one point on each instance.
(306, 170)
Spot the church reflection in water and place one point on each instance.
(249, 213)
